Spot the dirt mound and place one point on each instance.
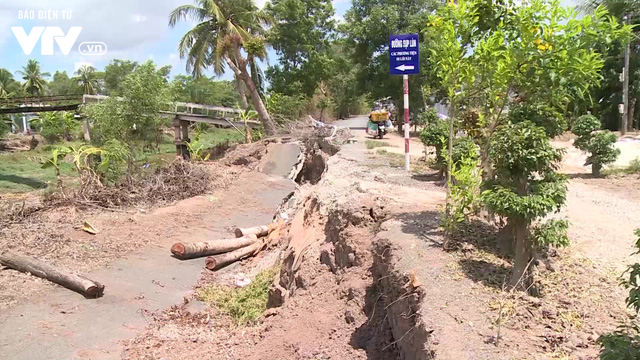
(247, 154)
(15, 143)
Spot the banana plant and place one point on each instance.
(245, 116)
(54, 161)
(196, 149)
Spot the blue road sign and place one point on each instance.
(404, 54)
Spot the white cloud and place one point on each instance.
(260, 3)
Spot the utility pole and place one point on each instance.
(625, 116)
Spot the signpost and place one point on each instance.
(404, 59)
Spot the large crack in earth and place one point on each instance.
(338, 294)
(333, 250)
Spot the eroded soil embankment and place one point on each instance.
(338, 284)
(337, 295)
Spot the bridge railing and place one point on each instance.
(34, 100)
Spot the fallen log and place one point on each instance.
(75, 282)
(259, 231)
(199, 249)
(221, 260)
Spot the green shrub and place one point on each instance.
(600, 144)
(526, 187)
(57, 126)
(436, 134)
(283, 108)
(583, 128)
(430, 115)
(551, 233)
(465, 189)
(543, 115)
(464, 147)
(245, 304)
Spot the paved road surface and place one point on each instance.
(354, 123)
(358, 125)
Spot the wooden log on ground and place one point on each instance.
(75, 282)
(221, 260)
(259, 231)
(199, 249)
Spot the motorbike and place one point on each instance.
(379, 122)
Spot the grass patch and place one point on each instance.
(20, 172)
(244, 305)
(372, 144)
(632, 168)
(397, 161)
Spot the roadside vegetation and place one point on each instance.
(244, 304)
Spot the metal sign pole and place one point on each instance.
(407, 158)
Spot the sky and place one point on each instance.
(131, 29)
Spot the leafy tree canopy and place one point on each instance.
(300, 35)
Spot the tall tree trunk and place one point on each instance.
(240, 71)
(632, 108)
(267, 122)
(521, 275)
(485, 162)
(243, 93)
(595, 169)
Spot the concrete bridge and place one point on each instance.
(182, 114)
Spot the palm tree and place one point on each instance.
(224, 29)
(34, 79)
(86, 78)
(6, 82)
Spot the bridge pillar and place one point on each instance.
(181, 137)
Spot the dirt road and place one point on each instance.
(603, 212)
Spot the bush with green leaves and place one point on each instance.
(583, 127)
(428, 116)
(134, 119)
(546, 116)
(624, 343)
(464, 147)
(57, 126)
(526, 187)
(465, 188)
(600, 144)
(436, 134)
(285, 108)
(553, 232)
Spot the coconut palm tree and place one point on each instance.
(6, 83)
(34, 79)
(224, 29)
(87, 79)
